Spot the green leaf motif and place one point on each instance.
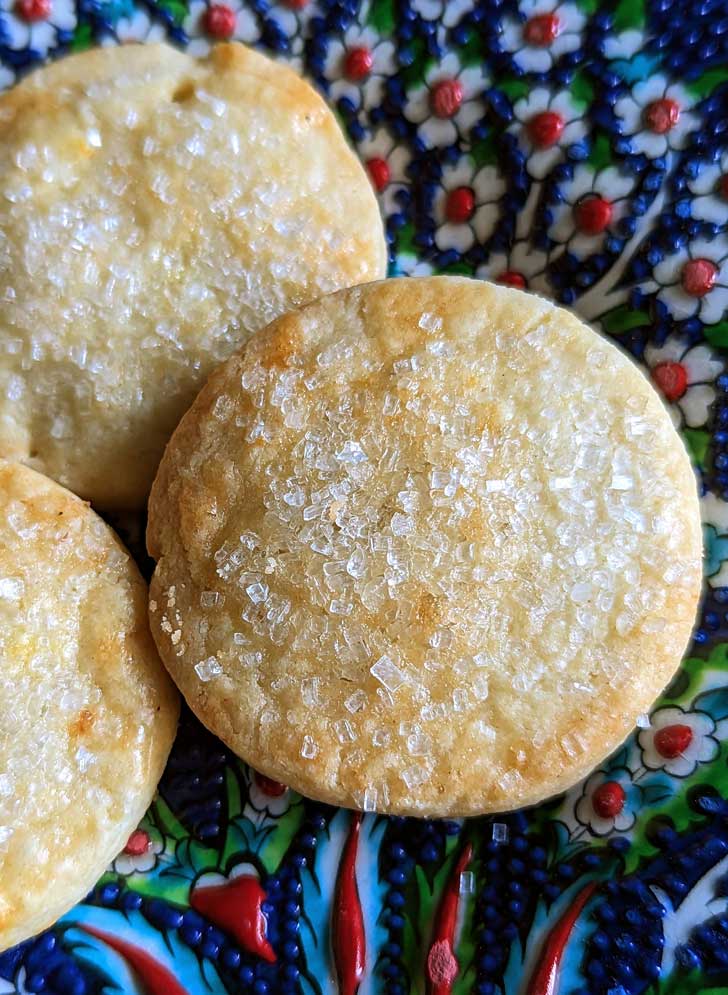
(466, 948)
(176, 8)
(471, 53)
(412, 945)
(82, 38)
(458, 269)
(484, 152)
(382, 16)
(170, 887)
(629, 14)
(622, 319)
(202, 858)
(719, 657)
(692, 677)
(582, 90)
(514, 89)
(693, 983)
(697, 442)
(414, 74)
(601, 153)
(165, 820)
(704, 85)
(234, 794)
(405, 246)
(717, 335)
(286, 827)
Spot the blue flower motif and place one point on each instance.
(609, 801)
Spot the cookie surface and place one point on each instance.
(426, 546)
(88, 713)
(156, 211)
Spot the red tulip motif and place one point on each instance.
(442, 964)
(544, 980)
(235, 904)
(154, 977)
(348, 938)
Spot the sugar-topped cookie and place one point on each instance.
(88, 713)
(426, 546)
(155, 210)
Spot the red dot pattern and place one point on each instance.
(460, 205)
(671, 379)
(32, 11)
(593, 215)
(545, 129)
(698, 277)
(220, 21)
(662, 115)
(608, 800)
(379, 173)
(358, 63)
(446, 98)
(671, 741)
(542, 29)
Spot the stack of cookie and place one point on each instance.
(155, 212)
(423, 546)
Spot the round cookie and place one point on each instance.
(426, 546)
(156, 210)
(89, 713)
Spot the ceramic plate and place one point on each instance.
(579, 150)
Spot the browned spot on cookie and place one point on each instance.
(227, 56)
(427, 610)
(281, 344)
(184, 91)
(82, 723)
(78, 148)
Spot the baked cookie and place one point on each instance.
(425, 546)
(88, 714)
(156, 211)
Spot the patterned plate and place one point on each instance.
(581, 150)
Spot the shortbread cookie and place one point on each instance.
(88, 713)
(155, 211)
(426, 546)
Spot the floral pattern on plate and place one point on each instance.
(577, 149)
